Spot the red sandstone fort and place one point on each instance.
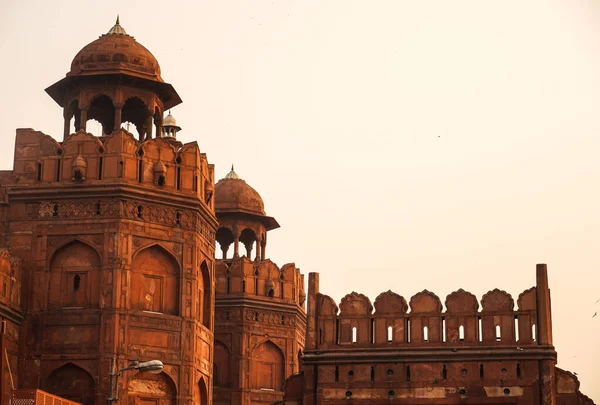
(108, 257)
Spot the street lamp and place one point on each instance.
(152, 366)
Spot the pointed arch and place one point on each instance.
(155, 275)
(74, 275)
(268, 367)
(202, 392)
(152, 388)
(205, 294)
(71, 382)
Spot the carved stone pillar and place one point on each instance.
(149, 127)
(158, 122)
(67, 126)
(258, 251)
(118, 116)
(83, 119)
(236, 247)
(263, 250)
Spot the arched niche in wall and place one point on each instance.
(74, 277)
(155, 281)
(201, 392)
(152, 389)
(222, 366)
(268, 367)
(204, 294)
(71, 382)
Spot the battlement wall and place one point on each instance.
(423, 321)
(83, 158)
(244, 277)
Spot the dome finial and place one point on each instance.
(117, 29)
(232, 174)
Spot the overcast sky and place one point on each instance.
(401, 145)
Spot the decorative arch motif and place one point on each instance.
(71, 382)
(497, 300)
(159, 388)
(74, 276)
(155, 274)
(461, 301)
(390, 303)
(355, 304)
(268, 367)
(424, 302)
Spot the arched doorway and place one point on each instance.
(71, 382)
(268, 367)
(151, 389)
(155, 281)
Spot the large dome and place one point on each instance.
(233, 194)
(116, 52)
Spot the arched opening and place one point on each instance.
(461, 333)
(73, 383)
(425, 334)
(354, 334)
(151, 389)
(268, 367)
(72, 118)
(102, 110)
(390, 334)
(155, 281)
(533, 333)
(204, 294)
(248, 238)
(222, 365)
(74, 277)
(134, 111)
(225, 238)
(498, 333)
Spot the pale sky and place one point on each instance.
(401, 145)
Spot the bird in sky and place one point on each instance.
(595, 313)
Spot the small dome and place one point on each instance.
(233, 194)
(79, 162)
(115, 52)
(169, 121)
(159, 167)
